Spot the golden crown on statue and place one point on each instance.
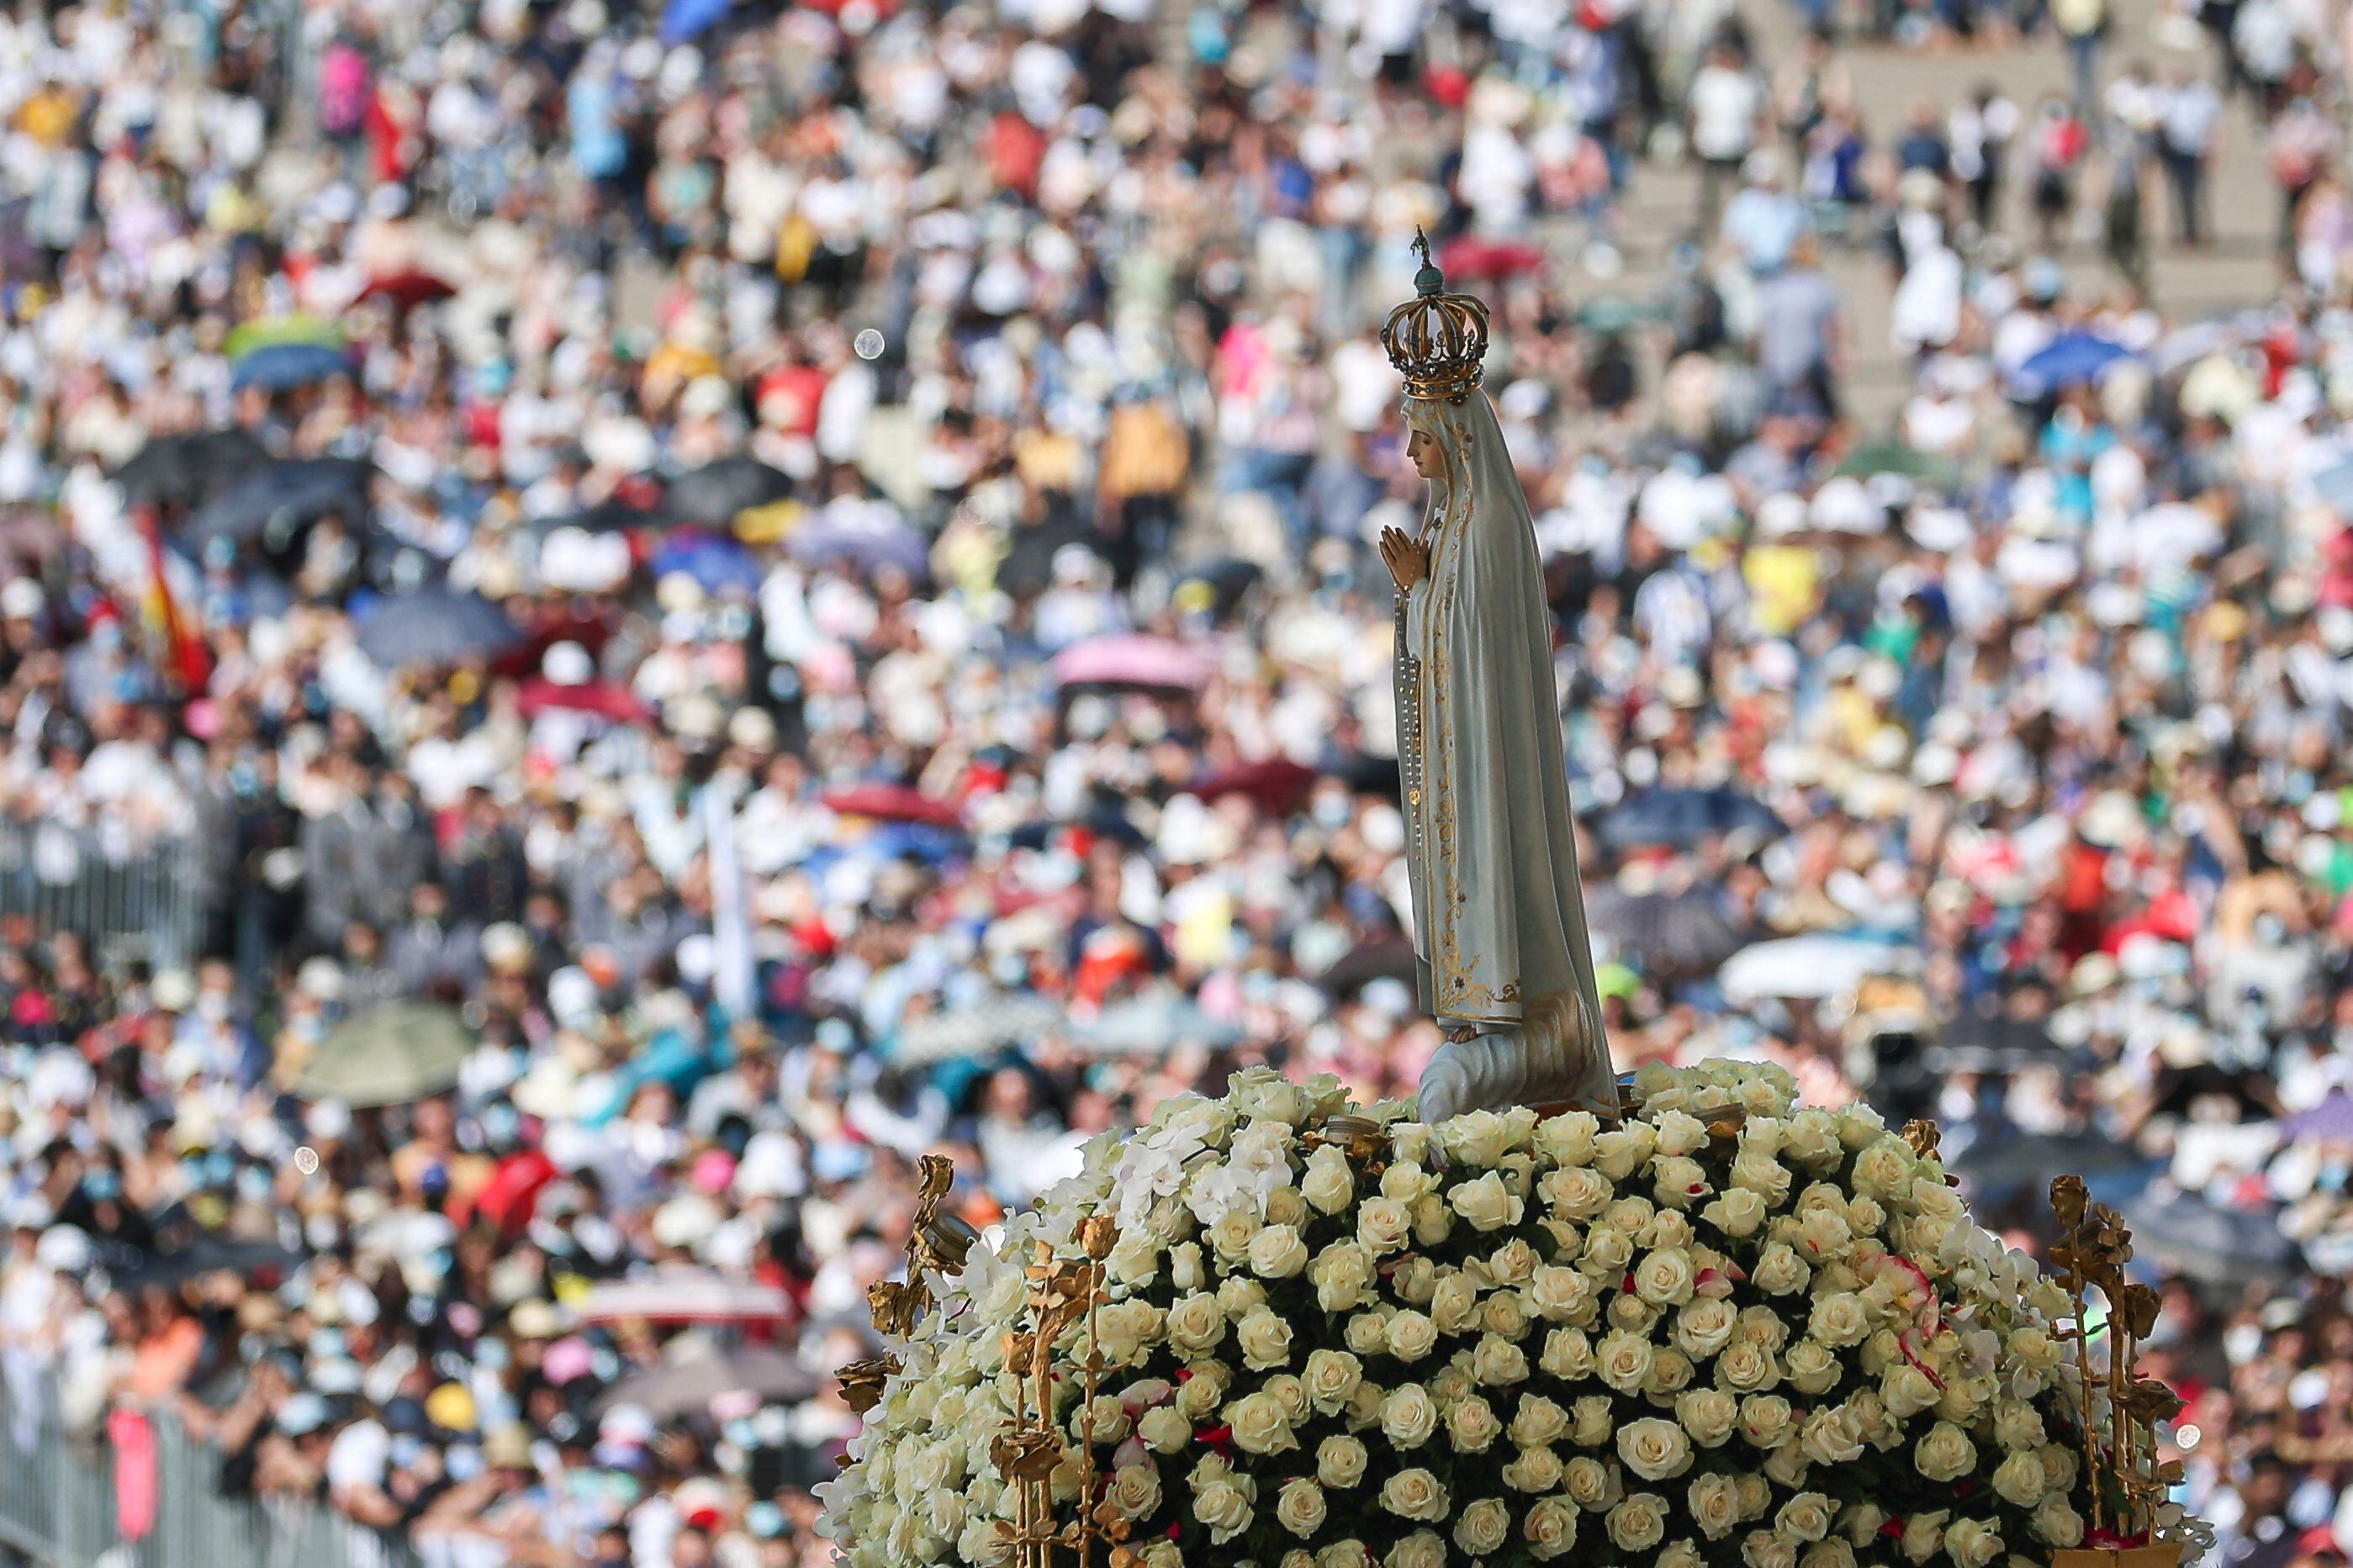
(1438, 341)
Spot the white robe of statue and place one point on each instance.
(1499, 920)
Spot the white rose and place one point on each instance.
(1619, 1154)
(1663, 1278)
(1277, 1253)
(1944, 1453)
(1348, 1553)
(1414, 1494)
(1407, 1183)
(1473, 1426)
(1503, 1313)
(1609, 1251)
(1769, 1549)
(1587, 1482)
(1224, 1506)
(1812, 1367)
(2057, 1524)
(1383, 1224)
(1972, 1543)
(1341, 1274)
(2018, 1425)
(1831, 1553)
(1713, 1503)
(1671, 1371)
(1567, 1353)
(1812, 1138)
(1264, 1339)
(1535, 1471)
(1186, 1270)
(1432, 1222)
(1330, 1377)
(1907, 1389)
(1884, 1169)
(1166, 1429)
(1454, 1303)
(1709, 1414)
(1824, 1235)
(1762, 1174)
(1558, 1294)
(1411, 1336)
(1671, 1228)
(1786, 1466)
(1924, 1534)
(1630, 1214)
(1340, 1461)
(1408, 1416)
(1513, 1263)
(1779, 1271)
(1483, 1526)
(1567, 1139)
(1135, 1490)
(1805, 1516)
(1679, 1132)
(1367, 1333)
(1654, 1448)
(1737, 1214)
(1410, 1141)
(1124, 1330)
(1299, 1507)
(1230, 1238)
(1485, 1203)
(1292, 1394)
(1623, 1360)
(1639, 1521)
(1678, 1180)
(1829, 1436)
(1765, 1420)
(2017, 1480)
(1135, 1260)
(1476, 1137)
(1865, 1217)
(1329, 1184)
(1260, 1424)
(1576, 1192)
(1498, 1362)
(1681, 1553)
(1203, 1392)
(1755, 1494)
(1538, 1421)
(1240, 1296)
(1196, 1324)
(1592, 1421)
(1705, 1326)
(1746, 1367)
(1422, 1549)
(1550, 1527)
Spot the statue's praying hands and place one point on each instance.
(1408, 559)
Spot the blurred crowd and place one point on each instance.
(804, 581)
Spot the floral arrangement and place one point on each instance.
(1728, 1331)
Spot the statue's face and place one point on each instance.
(1421, 450)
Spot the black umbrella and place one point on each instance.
(1677, 818)
(2182, 1233)
(717, 492)
(1383, 958)
(611, 515)
(1995, 1173)
(273, 500)
(180, 471)
(436, 626)
(206, 1255)
(1372, 775)
(1689, 929)
(1994, 1044)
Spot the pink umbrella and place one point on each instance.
(1152, 663)
(1471, 259)
(893, 803)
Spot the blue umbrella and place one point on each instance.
(684, 20)
(2068, 360)
(282, 367)
(821, 542)
(1678, 817)
(715, 562)
(436, 626)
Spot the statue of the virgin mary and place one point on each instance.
(1501, 952)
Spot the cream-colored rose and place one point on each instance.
(1166, 1429)
(1135, 1490)
(1485, 1203)
(1663, 1278)
(1476, 1137)
(1383, 1224)
(1410, 1140)
(1859, 1523)
(1812, 1367)
(1737, 1213)
(2056, 1523)
(1422, 1549)
(1538, 1421)
(1671, 1371)
(1329, 1183)
(1413, 1280)
(1588, 1483)
(1762, 1174)
(1630, 1214)
(1623, 1360)
(1755, 1494)
(2032, 1347)
(1534, 1470)
(1831, 1553)
(2017, 1480)
(1713, 1503)
(1785, 1468)
(1197, 1325)
(1924, 1534)
(1972, 1543)
(1576, 1192)
(1414, 1494)
(1705, 1326)
(1884, 1169)
(1350, 1553)
(1678, 1180)
(1805, 1516)
(1549, 1529)
(1620, 1153)
(1228, 1240)
(1473, 1424)
(1277, 1253)
(1766, 1420)
(1654, 1448)
(1264, 1339)
(1559, 1295)
(1639, 1521)
(1907, 1389)
(1812, 1138)
(1481, 1526)
(1284, 1205)
(1330, 1377)
(1299, 1507)
(1342, 1274)
(1567, 1139)
(1408, 1416)
(1683, 1554)
(1607, 1252)
(1779, 1271)
(1367, 1333)
(1407, 1183)
(1125, 1329)
(1224, 1506)
(1340, 1461)
(1454, 1303)
(1503, 1313)
(1433, 1223)
(1823, 1236)
(1291, 1394)
(1709, 1414)
(1186, 1271)
(1240, 1295)
(1592, 1421)
(1513, 1264)
(1829, 1435)
(1944, 1453)
(1498, 1362)
(1567, 1353)
(1769, 1549)
(1865, 1217)
(1411, 1336)
(1135, 1260)
(1745, 1367)
(1260, 1424)
(2017, 1426)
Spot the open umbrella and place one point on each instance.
(870, 546)
(408, 289)
(1482, 260)
(1666, 932)
(2182, 1232)
(436, 626)
(1278, 783)
(685, 1296)
(893, 803)
(274, 498)
(1143, 663)
(276, 330)
(975, 1028)
(717, 492)
(1801, 967)
(1996, 1172)
(2330, 1122)
(391, 1053)
(179, 470)
(611, 515)
(1676, 818)
(600, 698)
(282, 367)
(1158, 1021)
(2071, 359)
(1875, 457)
(1383, 958)
(685, 1384)
(717, 563)
(683, 21)
(1998, 1043)
(207, 1254)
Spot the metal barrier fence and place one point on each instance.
(58, 1505)
(130, 901)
